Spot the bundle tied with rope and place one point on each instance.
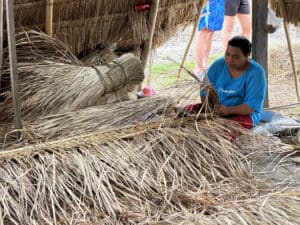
(49, 86)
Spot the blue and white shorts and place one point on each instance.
(214, 20)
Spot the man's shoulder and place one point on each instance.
(219, 62)
(256, 66)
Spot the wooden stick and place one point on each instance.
(148, 45)
(202, 3)
(287, 34)
(283, 106)
(49, 18)
(13, 62)
(1, 38)
(187, 70)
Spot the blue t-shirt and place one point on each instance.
(214, 20)
(249, 88)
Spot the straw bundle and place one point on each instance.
(143, 174)
(93, 119)
(58, 88)
(292, 9)
(57, 85)
(85, 25)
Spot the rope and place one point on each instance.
(125, 82)
(102, 80)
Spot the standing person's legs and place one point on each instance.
(245, 22)
(231, 9)
(202, 50)
(245, 18)
(227, 29)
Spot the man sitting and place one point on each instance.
(240, 84)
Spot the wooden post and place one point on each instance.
(260, 37)
(148, 45)
(49, 18)
(1, 38)
(287, 34)
(202, 3)
(13, 61)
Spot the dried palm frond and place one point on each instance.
(140, 168)
(291, 8)
(95, 119)
(153, 172)
(280, 208)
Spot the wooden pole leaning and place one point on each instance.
(287, 34)
(1, 38)
(13, 62)
(202, 3)
(49, 18)
(148, 45)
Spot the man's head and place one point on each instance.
(237, 52)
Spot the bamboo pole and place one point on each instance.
(13, 62)
(148, 45)
(1, 39)
(202, 3)
(287, 34)
(49, 18)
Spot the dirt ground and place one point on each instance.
(282, 89)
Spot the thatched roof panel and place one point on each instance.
(292, 8)
(87, 24)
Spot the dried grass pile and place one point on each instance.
(282, 208)
(86, 25)
(92, 119)
(292, 9)
(176, 172)
(52, 80)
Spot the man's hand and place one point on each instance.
(241, 109)
(222, 110)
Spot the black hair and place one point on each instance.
(241, 42)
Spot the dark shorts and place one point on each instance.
(233, 7)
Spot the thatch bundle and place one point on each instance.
(153, 173)
(291, 8)
(84, 25)
(93, 119)
(52, 82)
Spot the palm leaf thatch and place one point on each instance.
(274, 209)
(291, 8)
(150, 173)
(51, 83)
(92, 119)
(85, 25)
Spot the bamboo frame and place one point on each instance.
(202, 3)
(287, 34)
(49, 18)
(13, 62)
(1, 38)
(148, 46)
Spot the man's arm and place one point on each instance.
(241, 109)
